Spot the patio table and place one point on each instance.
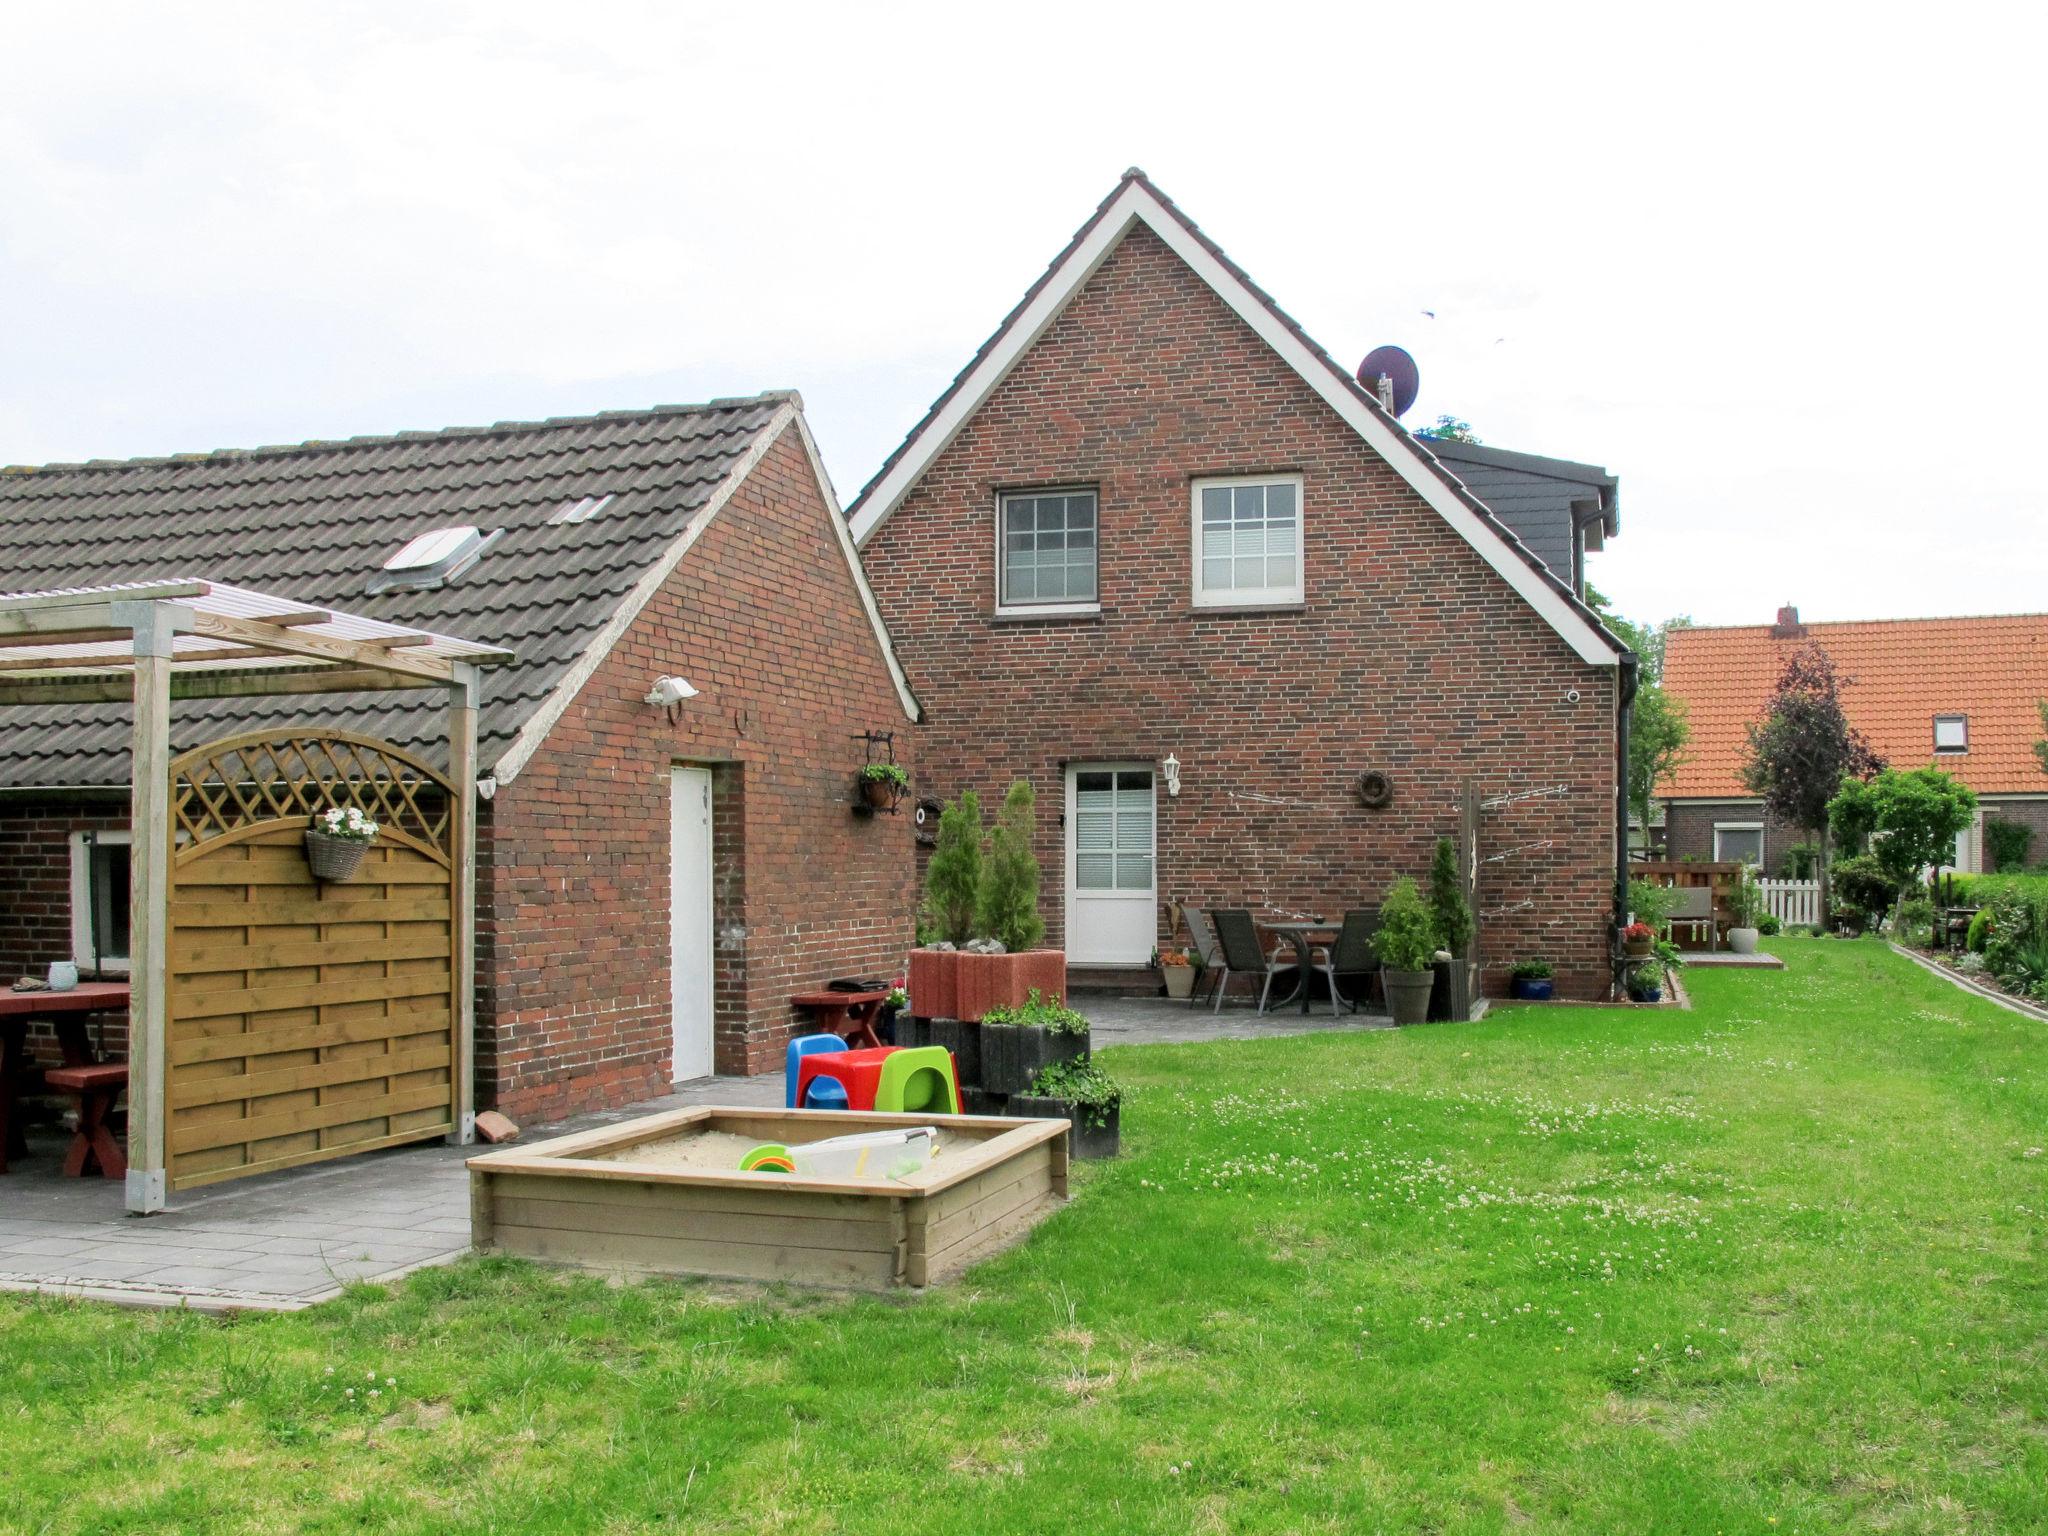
(849, 1015)
(1304, 934)
(67, 1013)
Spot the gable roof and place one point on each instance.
(314, 521)
(1136, 200)
(1899, 674)
(1542, 499)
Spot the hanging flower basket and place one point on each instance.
(336, 843)
(881, 786)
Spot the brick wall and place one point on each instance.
(764, 618)
(1689, 830)
(2031, 813)
(35, 888)
(1410, 654)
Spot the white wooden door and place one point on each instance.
(1112, 894)
(689, 884)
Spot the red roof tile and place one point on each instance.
(1898, 674)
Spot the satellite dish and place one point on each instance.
(1396, 365)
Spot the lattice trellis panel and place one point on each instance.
(263, 776)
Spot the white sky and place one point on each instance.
(1780, 269)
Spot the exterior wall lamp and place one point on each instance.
(1171, 769)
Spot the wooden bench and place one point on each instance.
(97, 1087)
(849, 1015)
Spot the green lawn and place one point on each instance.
(1773, 1265)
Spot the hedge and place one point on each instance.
(1983, 890)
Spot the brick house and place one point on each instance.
(647, 888)
(1151, 521)
(1962, 695)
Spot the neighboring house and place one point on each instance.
(1154, 530)
(1959, 694)
(1562, 511)
(648, 879)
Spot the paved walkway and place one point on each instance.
(282, 1241)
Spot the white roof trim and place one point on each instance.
(543, 720)
(911, 708)
(1136, 203)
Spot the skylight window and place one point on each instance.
(1951, 733)
(579, 511)
(433, 559)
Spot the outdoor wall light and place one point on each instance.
(668, 693)
(1171, 768)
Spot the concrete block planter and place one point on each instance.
(1100, 1139)
(1012, 1055)
(987, 982)
(963, 1039)
(934, 983)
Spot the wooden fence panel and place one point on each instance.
(305, 1020)
(1795, 903)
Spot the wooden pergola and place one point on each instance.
(156, 642)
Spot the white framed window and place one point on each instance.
(1046, 548)
(1247, 540)
(99, 901)
(1951, 733)
(1739, 842)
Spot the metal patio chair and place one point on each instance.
(1242, 951)
(1353, 955)
(1208, 949)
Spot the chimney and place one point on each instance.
(1788, 626)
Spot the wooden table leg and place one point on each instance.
(860, 1026)
(13, 1043)
(94, 1139)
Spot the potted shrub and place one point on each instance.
(1406, 945)
(1018, 1043)
(1178, 968)
(337, 841)
(1457, 977)
(1638, 939)
(983, 914)
(1646, 982)
(1746, 909)
(882, 785)
(1862, 890)
(1084, 1095)
(1530, 980)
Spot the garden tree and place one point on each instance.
(1909, 819)
(1447, 899)
(1449, 429)
(1006, 906)
(1802, 747)
(1657, 731)
(952, 881)
(2041, 746)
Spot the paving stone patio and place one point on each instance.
(286, 1240)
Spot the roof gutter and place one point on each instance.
(1623, 715)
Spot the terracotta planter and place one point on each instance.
(1180, 980)
(1408, 994)
(934, 983)
(1006, 981)
(880, 794)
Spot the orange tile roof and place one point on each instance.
(1898, 674)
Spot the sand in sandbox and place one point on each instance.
(712, 1152)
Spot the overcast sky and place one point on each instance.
(1781, 271)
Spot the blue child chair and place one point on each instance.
(799, 1048)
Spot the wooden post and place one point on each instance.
(462, 704)
(149, 891)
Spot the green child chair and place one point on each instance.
(919, 1079)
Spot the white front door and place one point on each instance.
(689, 920)
(1112, 896)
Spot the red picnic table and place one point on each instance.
(849, 1015)
(67, 1013)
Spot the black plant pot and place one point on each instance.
(1012, 1055)
(964, 1041)
(1083, 1139)
(977, 1101)
(913, 1031)
(1533, 989)
(1451, 997)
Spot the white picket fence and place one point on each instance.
(1795, 903)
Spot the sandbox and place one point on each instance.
(663, 1195)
